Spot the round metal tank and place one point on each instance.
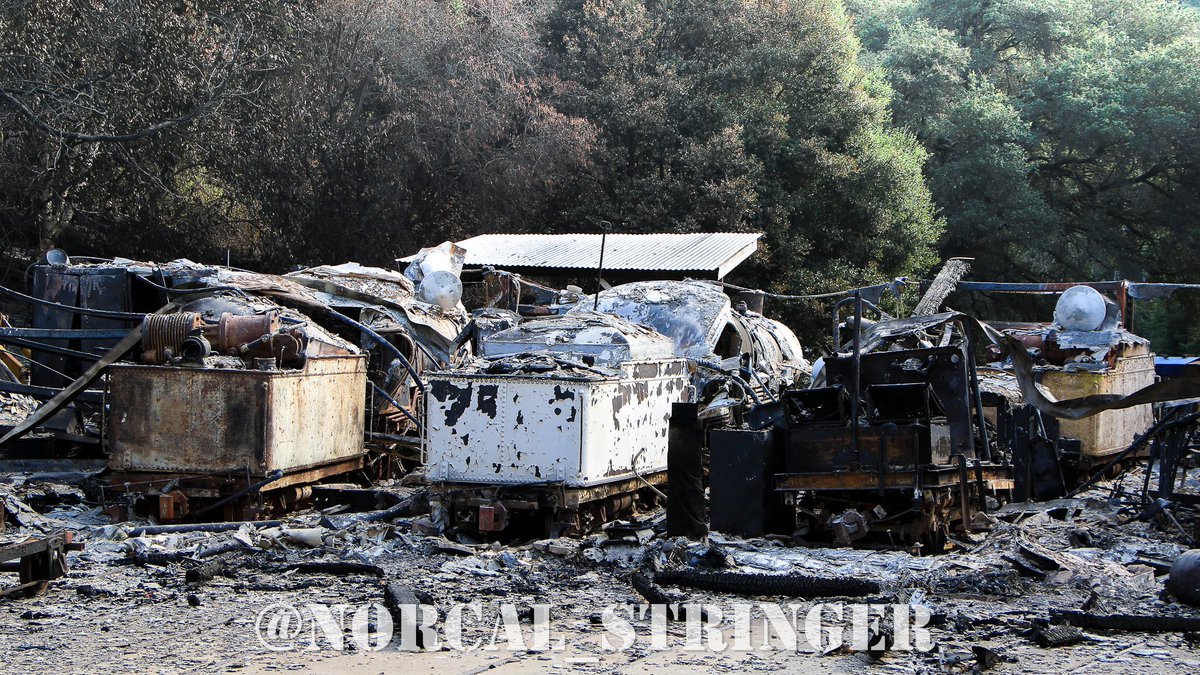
(1080, 308)
(1184, 580)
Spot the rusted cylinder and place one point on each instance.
(163, 334)
(235, 331)
(194, 348)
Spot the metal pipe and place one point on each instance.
(600, 268)
(964, 488)
(66, 333)
(981, 486)
(848, 293)
(1125, 308)
(837, 307)
(49, 349)
(1155, 454)
(1050, 288)
(396, 403)
(854, 402)
(94, 396)
(986, 451)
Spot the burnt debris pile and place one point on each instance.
(224, 429)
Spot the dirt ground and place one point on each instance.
(122, 609)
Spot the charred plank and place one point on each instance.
(792, 585)
(1127, 622)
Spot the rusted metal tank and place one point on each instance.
(209, 420)
(1112, 430)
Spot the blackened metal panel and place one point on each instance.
(830, 449)
(685, 466)
(106, 289)
(741, 483)
(55, 285)
(944, 368)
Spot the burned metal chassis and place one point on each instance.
(967, 348)
(215, 489)
(38, 562)
(947, 493)
(485, 509)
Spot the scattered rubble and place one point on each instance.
(244, 446)
(978, 600)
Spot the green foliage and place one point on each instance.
(1062, 133)
(734, 115)
(1057, 138)
(403, 123)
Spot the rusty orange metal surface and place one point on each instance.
(208, 420)
(997, 478)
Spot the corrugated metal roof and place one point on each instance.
(717, 252)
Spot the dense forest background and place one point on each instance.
(868, 139)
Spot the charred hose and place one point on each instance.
(736, 378)
(382, 343)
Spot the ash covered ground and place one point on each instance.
(128, 604)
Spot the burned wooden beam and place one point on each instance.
(1039, 560)
(397, 597)
(793, 585)
(340, 568)
(201, 527)
(168, 557)
(1056, 636)
(1135, 623)
(1024, 568)
(942, 286)
(412, 505)
(207, 571)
